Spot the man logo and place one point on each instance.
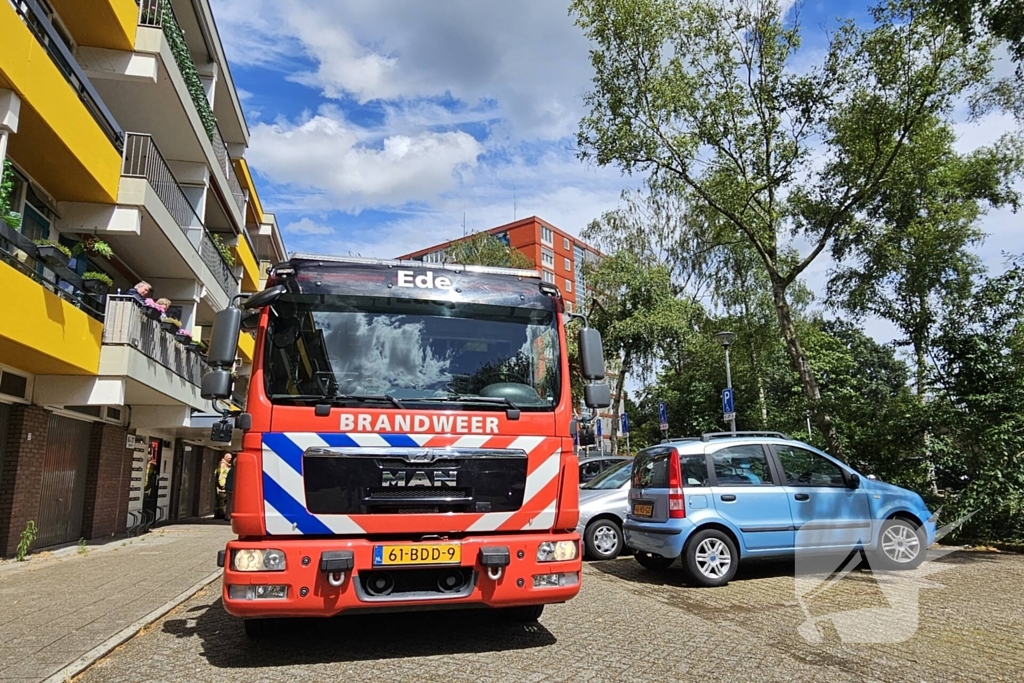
(430, 478)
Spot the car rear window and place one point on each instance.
(650, 469)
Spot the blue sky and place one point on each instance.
(377, 124)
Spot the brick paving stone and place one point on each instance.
(626, 624)
(58, 607)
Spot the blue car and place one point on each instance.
(718, 499)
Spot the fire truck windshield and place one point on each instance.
(401, 352)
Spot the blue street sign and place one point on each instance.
(663, 415)
(599, 422)
(727, 401)
(625, 424)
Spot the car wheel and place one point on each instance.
(652, 561)
(711, 558)
(524, 614)
(901, 545)
(603, 539)
(259, 628)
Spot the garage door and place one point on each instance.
(62, 493)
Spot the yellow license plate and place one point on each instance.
(422, 553)
(643, 510)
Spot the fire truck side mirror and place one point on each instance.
(591, 354)
(216, 384)
(227, 325)
(597, 395)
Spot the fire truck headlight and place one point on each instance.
(251, 560)
(559, 551)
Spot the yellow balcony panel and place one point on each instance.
(43, 334)
(58, 141)
(100, 23)
(255, 212)
(250, 268)
(246, 346)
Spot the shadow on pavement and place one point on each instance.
(751, 570)
(354, 637)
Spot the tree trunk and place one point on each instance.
(755, 364)
(798, 359)
(616, 402)
(921, 369)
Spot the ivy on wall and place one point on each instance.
(223, 249)
(179, 48)
(7, 214)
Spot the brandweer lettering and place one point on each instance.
(435, 424)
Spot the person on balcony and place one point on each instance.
(140, 292)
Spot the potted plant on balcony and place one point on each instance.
(93, 247)
(153, 310)
(199, 346)
(53, 255)
(170, 325)
(224, 250)
(96, 282)
(183, 337)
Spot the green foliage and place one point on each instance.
(706, 94)
(7, 214)
(183, 58)
(223, 249)
(83, 548)
(484, 249)
(98, 277)
(28, 537)
(173, 321)
(999, 18)
(93, 246)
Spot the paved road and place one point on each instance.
(59, 605)
(627, 624)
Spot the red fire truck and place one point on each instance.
(407, 440)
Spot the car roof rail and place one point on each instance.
(680, 438)
(725, 435)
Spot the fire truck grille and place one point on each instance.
(386, 494)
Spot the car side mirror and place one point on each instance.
(853, 480)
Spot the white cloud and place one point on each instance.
(350, 168)
(526, 56)
(305, 226)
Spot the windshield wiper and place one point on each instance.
(511, 409)
(339, 398)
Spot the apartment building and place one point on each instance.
(123, 142)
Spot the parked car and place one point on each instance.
(722, 499)
(604, 502)
(590, 467)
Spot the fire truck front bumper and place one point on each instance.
(290, 577)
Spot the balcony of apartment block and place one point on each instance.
(186, 103)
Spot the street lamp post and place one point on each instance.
(725, 339)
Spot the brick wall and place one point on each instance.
(22, 473)
(106, 483)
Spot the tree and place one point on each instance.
(908, 256)
(706, 92)
(634, 307)
(1003, 19)
(484, 249)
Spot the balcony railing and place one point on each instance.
(21, 253)
(39, 24)
(142, 159)
(221, 151)
(127, 324)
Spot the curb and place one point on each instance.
(127, 633)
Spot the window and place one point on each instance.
(565, 243)
(549, 276)
(547, 258)
(589, 470)
(568, 264)
(568, 307)
(804, 468)
(650, 469)
(547, 235)
(568, 285)
(742, 466)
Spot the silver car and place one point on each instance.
(604, 502)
